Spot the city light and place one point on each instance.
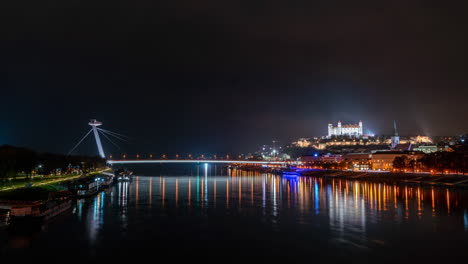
(295, 103)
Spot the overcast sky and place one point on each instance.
(228, 76)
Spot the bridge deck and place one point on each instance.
(201, 161)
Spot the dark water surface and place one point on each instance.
(246, 216)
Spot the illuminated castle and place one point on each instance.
(345, 130)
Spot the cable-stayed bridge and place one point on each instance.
(220, 161)
(107, 134)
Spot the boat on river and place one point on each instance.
(4, 218)
(122, 175)
(124, 178)
(15, 212)
(84, 187)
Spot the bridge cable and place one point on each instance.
(118, 137)
(113, 133)
(113, 136)
(102, 133)
(79, 142)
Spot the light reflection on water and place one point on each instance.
(348, 205)
(300, 211)
(274, 193)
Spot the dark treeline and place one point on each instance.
(14, 161)
(452, 162)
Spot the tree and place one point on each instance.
(400, 162)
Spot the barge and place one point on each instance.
(15, 212)
(85, 187)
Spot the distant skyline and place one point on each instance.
(229, 77)
(88, 147)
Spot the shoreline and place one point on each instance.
(395, 178)
(28, 201)
(47, 182)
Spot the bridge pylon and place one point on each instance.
(94, 124)
(106, 133)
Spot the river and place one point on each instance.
(219, 215)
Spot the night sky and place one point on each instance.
(228, 76)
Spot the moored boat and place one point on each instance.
(36, 211)
(4, 217)
(122, 175)
(85, 187)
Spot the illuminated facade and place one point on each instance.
(422, 139)
(358, 161)
(345, 130)
(384, 160)
(431, 148)
(302, 143)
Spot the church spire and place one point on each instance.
(395, 131)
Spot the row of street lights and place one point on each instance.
(177, 156)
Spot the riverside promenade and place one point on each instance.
(405, 178)
(41, 181)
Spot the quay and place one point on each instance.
(415, 179)
(21, 207)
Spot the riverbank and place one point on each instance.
(43, 181)
(39, 202)
(418, 179)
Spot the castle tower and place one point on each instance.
(330, 130)
(360, 130)
(339, 129)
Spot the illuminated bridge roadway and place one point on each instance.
(94, 128)
(253, 162)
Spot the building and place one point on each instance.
(384, 160)
(432, 148)
(310, 159)
(422, 140)
(302, 143)
(326, 158)
(345, 130)
(331, 158)
(358, 161)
